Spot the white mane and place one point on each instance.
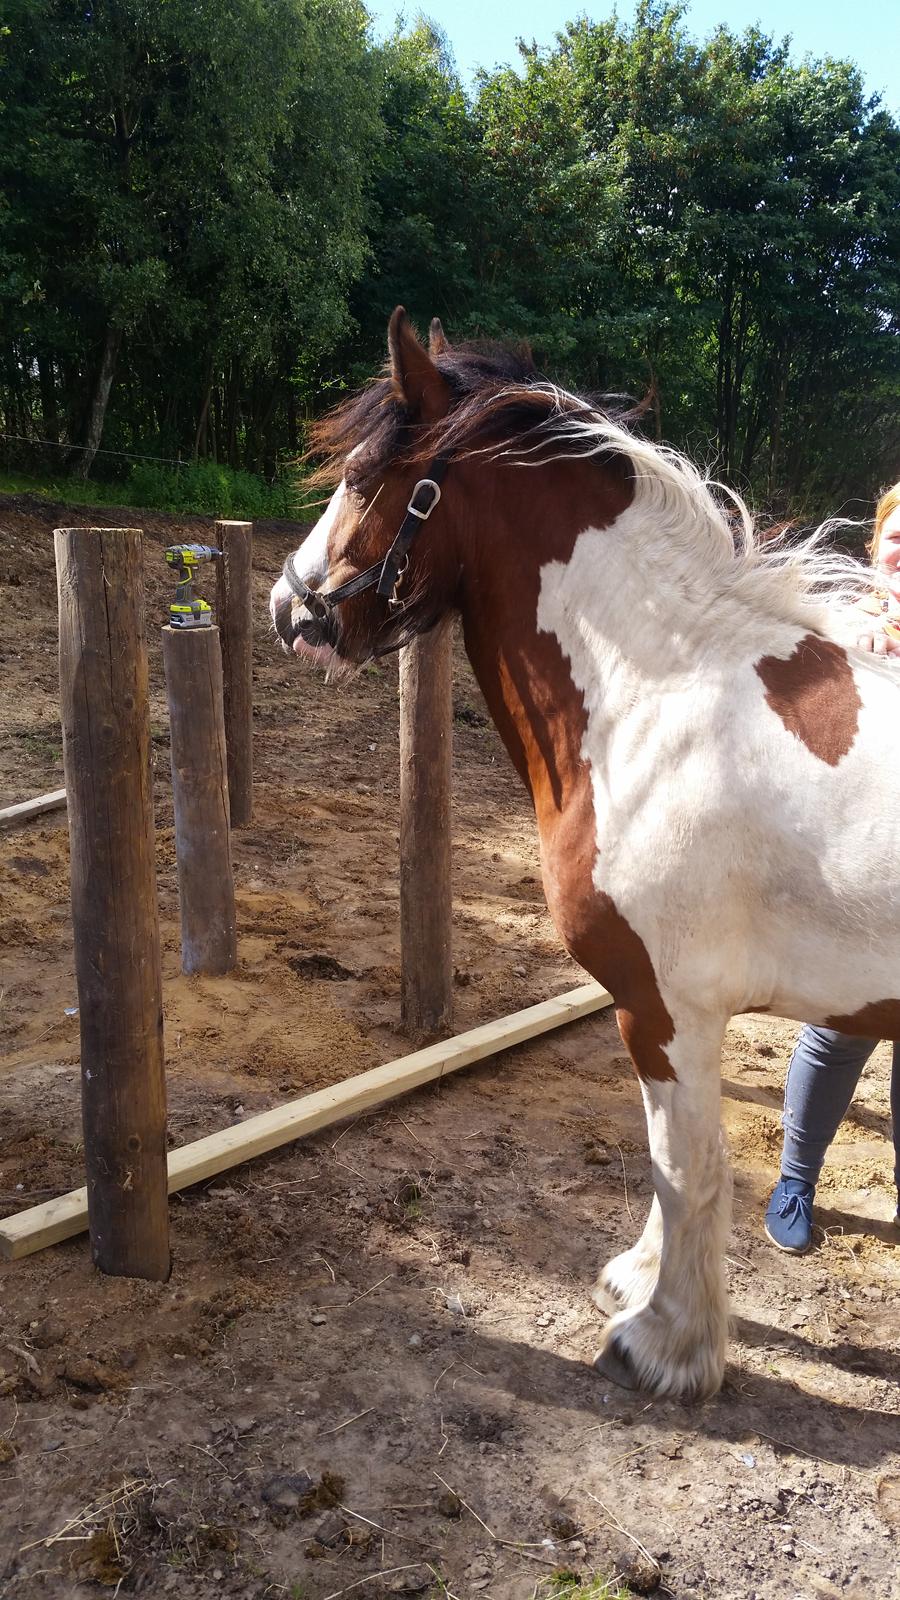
(800, 581)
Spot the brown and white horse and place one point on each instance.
(715, 775)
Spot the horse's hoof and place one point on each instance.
(615, 1367)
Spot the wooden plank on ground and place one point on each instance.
(33, 808)
(59, 1219)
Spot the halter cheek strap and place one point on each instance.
(383, 576)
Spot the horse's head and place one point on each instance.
(380, 565)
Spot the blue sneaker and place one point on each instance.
(789, 1215)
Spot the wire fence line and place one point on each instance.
(123, 455)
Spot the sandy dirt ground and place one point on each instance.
(369, 1371)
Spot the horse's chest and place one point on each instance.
(592, 922)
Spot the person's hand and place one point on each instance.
(878, 643)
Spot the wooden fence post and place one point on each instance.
(193, 665)
(426, 723)
(234, 615)
(106, 755)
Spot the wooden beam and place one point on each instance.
(33, 808)
(60, 1219)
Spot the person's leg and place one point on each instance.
(821, 1082)
(825, 1068)
(895, 1120)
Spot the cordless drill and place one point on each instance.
(189, 610)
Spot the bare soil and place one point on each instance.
(369, 1371)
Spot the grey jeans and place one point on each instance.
(821, 1082)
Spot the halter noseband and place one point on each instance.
(385, 575)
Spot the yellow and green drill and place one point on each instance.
(189, 610)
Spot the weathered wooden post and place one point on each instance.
(106, 754)
(234, 614)
(426, 723)
(192, 659)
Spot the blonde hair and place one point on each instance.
(888, 503)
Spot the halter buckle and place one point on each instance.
(424, 483)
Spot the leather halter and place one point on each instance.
(385, 575)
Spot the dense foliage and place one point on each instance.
(208, 212)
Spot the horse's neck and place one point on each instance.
(644, 608)
(615, 616)
(522, 666)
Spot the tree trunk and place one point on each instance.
(200, 437)
(268, 433)
(49, 413)
(293, 436)
(99, 402)
(232, 406)
(10, 416)
(218, 435)
(775, 424)
(18, 408)
(72, 388)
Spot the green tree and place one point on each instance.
(424, 174)
(718, 221)
(185, 194)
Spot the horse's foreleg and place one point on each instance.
(669, 1335)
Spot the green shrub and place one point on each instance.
(211, 489)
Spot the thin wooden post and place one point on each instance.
(192, 659)
(426, 722)
(234, 615)
(106, 756)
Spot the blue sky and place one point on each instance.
(484, 33)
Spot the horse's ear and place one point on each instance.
(437, 339)
(417, 383)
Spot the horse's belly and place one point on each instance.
(765, 883)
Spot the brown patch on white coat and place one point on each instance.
(880, 1019)
(815, 695)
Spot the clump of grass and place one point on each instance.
(43, 745)
(568, 1585)
(413, 1188)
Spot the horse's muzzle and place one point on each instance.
(294, 622)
